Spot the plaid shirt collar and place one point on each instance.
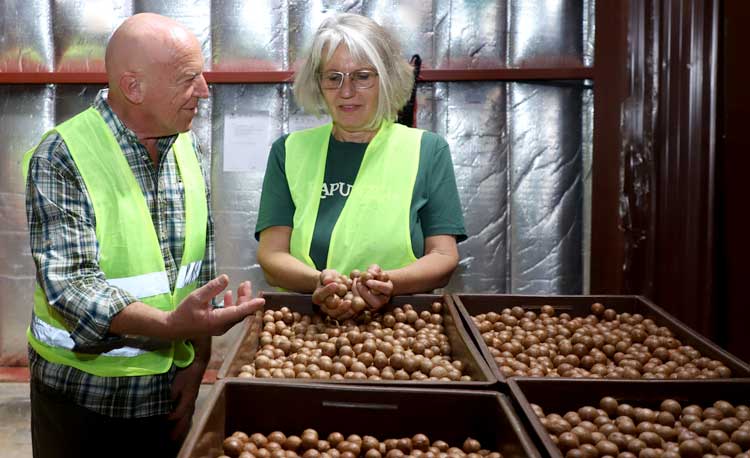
(122, 133)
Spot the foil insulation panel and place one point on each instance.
(525, 190)
(471, 117)
(249, 36)
(521, 187)
(470, 34)
(589, 29)
(26, 43)
(544, 33)
(587, 147)
(26, 112)
(545, 189)
(193, 14)
(81, 29)
(71, 99)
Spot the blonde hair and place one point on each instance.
(367, 42)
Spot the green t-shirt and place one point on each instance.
(435, 206)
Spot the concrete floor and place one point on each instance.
(15, 433)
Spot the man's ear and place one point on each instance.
(132, 87)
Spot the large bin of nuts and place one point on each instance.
(589, 336)
(636, 418)
(413, 340)
(265, 418)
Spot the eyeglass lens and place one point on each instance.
(361, 79)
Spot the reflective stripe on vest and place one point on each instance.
(129, 252)
(56, 337)
(147, 285)
(373, 226)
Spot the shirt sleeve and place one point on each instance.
(62, 232)
(276, 204)
(442, 214)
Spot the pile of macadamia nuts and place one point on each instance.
(402, 344)
(311, 445)
(604, 344)
(622, 430)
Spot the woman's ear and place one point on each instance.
(132, 88)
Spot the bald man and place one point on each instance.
(118, 206)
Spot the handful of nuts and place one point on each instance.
(616, 428)
(310, 444)
(344, 294)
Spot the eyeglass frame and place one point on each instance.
(345, 75)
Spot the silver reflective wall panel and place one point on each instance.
(545, 32)
(523, 174)
(589, 29)
(296, 117)
(26, 112)
(193, 14)
(546, 188)
(249, 35)
(470, 34)
(587, 144)
(81, 29)
(26, 43)
(71, 99)
(471, 117)
(203, 131)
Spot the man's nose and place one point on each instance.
(201, 88)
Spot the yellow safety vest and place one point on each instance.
(129, 253)
(373, 226)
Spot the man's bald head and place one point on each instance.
(155, 74)
(143, 40)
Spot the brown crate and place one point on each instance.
(469, 305)
(243, 350)
(562, 395)
(450, 415)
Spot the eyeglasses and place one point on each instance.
(361, 79)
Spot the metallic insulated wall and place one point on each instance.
(26, 43)
(522, 151)
(546, 189)
(519, 153)
(80, 28)
(26, 112)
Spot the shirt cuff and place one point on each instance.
(93, 325)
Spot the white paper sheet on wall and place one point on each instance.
(246, 142)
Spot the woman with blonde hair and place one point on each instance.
(360, 192)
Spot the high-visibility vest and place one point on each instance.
(373, 227)
(129, 253)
